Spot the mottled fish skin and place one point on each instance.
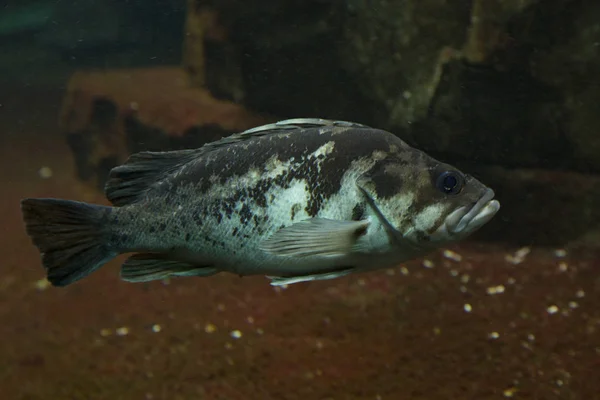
(296, 200)
(219, 207)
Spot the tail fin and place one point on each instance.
(72, 237)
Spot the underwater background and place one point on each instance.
(507, 90)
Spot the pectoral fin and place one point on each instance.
(315, 237)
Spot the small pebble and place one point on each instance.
(236, 334)
(495, 289)
(45, 173)
(449, 254)
(552, 309)
(494, 335)
(105, 332)
(156, 328)
(573, 304)
(122, 331)
(519, 256)
(560, 253)
(210, 328)
(510, 392)
(580, 294)
(563, 267)
(428, 263)
(467, 307)
(42, 284)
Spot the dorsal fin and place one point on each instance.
(127, 183)
(284, 126)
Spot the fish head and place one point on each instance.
(426, 202)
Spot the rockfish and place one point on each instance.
(297, 200)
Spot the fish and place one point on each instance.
(297, 200)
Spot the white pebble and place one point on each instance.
(560, 253)
(552, 309)
(573, 304)
(449, 254)
(236, 334)
(156, 328)
(523, 252)
(563, 266)
(122, 331)
(404, 271)
(495, 289)
(428, 263)
(210, 328)
(519, 256)
(467, 307)
(494, 335)
(580, 293)
(250, 320)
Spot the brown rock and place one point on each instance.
(108, 115)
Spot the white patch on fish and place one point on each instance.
(428, 218)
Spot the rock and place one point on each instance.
(108, 115)
(499, 81)
(570, 61)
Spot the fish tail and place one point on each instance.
(72, 237)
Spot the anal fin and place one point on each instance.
(145, 267)
(280, 281)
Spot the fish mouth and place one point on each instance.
(464, 221)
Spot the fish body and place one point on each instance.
(298, 200)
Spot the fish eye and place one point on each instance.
(450, 182)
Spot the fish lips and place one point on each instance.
(464, 221)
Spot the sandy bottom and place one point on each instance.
(479, 328)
